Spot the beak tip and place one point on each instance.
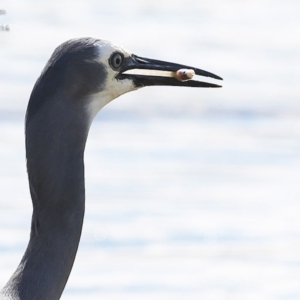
(217, 77)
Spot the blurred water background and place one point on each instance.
(191, 193)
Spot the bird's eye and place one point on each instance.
(116, 60)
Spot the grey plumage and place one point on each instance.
(81, 76)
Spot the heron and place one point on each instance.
(80, 78)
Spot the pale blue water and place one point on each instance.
(191, 194)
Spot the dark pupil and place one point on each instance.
(117, 60)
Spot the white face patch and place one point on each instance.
(113, 88)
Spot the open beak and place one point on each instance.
(147, 72)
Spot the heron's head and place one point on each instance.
(97, 71)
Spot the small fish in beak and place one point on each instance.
(184, 74)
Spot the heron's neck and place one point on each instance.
(54, 151)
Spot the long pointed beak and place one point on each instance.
(147, 72)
